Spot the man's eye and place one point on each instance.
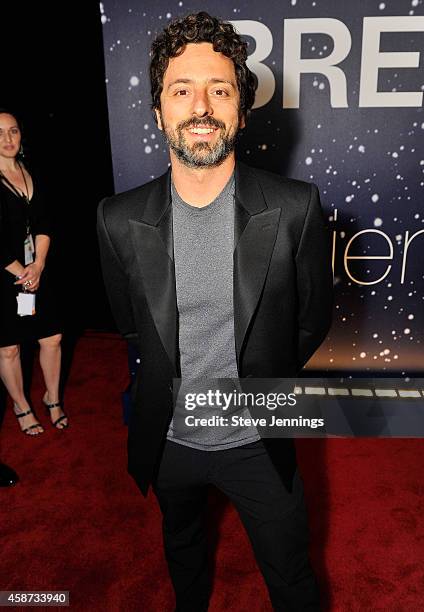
(181, 92)
(220, 92)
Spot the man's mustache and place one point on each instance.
(209, 122)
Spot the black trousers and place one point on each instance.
(275, 521)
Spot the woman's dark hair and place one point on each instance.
(7, 111)
(198, 28)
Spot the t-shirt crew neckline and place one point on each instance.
(218, 202)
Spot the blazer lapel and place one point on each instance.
(255, 232)
(151, 236)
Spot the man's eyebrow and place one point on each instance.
(179, 81)
(212, 80)
(228, 82)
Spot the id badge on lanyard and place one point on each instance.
(29, 249)
(26, 304)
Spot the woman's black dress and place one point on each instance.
(15, 213)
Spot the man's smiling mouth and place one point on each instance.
(201, 130)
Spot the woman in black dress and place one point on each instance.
(24, 246)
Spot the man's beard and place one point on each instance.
(201, 154)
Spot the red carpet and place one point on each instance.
(77, 522)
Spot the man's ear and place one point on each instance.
(242, 123)
(158, 119)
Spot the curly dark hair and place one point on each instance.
(197, 28)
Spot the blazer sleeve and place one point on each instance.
(314, 281)
(115, 279)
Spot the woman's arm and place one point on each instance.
(42, 244)
(32, 273)
(15, 268)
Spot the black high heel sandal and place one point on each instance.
(60, 419)
(21, 415)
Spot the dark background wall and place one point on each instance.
(52, 75)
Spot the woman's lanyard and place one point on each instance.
(29, 249)
(26, 194)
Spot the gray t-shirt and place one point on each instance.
(203, 254)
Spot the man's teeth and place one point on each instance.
(201, 130)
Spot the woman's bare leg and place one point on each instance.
(11, 375)
(50, 360)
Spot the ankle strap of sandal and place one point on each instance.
(50, 406)
(23, 414)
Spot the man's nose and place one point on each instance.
(201, 104)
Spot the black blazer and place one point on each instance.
(282, 295)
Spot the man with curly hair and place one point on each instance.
(216, 271)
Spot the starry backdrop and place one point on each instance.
(367, 162)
